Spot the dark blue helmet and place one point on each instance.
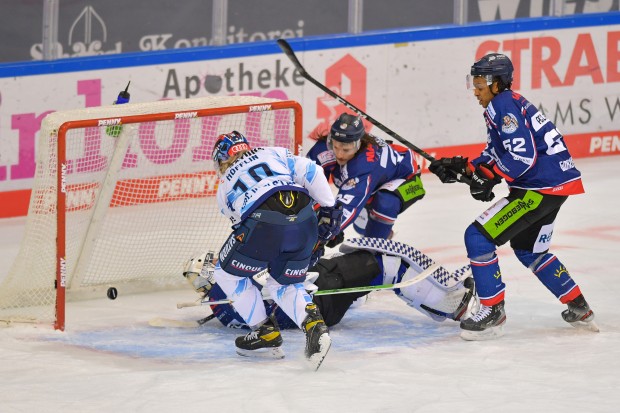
(347, 128)
(227, 145)
(494, 65)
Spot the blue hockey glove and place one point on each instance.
(330, 219)
(482, 182)
(449, 169)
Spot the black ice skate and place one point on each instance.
(579, 315)
(486, 324)
(318, 341)
(469, 304)
(265, 341)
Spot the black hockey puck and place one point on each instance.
(112, 293)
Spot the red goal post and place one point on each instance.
(124, 195)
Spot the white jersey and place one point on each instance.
(260, 172)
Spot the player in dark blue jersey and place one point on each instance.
(525, 149)
(376, 181)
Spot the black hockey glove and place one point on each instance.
(482, 182)
(338, 239)
(330, 219)
(449, 169)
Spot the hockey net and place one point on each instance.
(124, 195)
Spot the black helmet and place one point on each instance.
(494, 65)
(347, 128)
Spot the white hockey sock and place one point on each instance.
(291, 298)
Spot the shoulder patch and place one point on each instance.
(539, 120)
(326, 157)
(509, 123)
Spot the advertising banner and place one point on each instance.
(413, 82)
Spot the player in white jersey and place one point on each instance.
(268, 195)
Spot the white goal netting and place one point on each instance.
(138, 187)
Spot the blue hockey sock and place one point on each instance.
(554, 275)
(488, 279)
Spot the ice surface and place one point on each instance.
(385, 357)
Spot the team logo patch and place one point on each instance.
(509, 123)
(326, 157)
(350, 184)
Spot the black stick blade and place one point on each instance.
(288, 51)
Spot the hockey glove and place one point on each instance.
(448, 170)
(330, 219)
(337, 240)
(317, 253)
(199, 273)
(482, 182)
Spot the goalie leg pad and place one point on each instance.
(410, 255)
(439, 302)
(442, 295)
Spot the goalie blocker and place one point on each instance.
(369, 261)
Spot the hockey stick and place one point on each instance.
(167, 322)
(200, 302)
(421, 276)
(288, 51)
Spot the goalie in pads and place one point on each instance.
(364, 261)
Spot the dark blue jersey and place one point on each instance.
(322, 155)
(363, 175)
(526, 148)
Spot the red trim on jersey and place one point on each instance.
(571, 188)
(500, 173)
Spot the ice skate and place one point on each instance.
(470, 303)
(265, 341)
(486, 324)
(318, 340)
(579, 315)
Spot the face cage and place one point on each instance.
(217, 151)
(330, 144)
(469, 80)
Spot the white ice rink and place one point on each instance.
(386, 357)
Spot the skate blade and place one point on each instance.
(488, 334)
(316, 359)
(586, 325)
(265, 353)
